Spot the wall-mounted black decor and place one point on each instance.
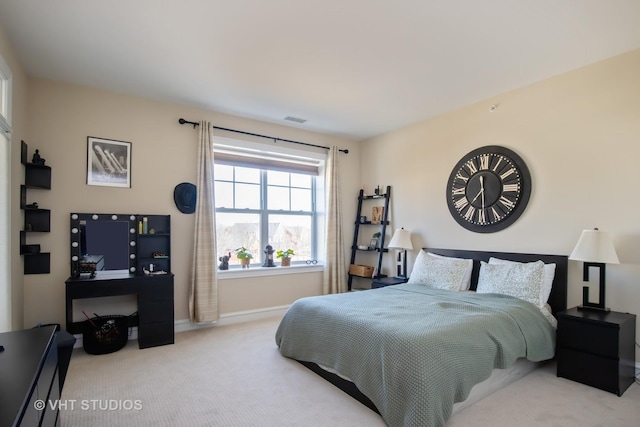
(37, 176)
(184, 195)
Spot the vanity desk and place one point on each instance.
(155, 319)
(124, 254)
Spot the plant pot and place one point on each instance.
(244, 262)
(286, 262)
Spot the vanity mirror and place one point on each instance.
(103, 241)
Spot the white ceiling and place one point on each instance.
(353, 68)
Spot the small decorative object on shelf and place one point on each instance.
(373, 244)
(377, 213)
(244, 256)
(153, 273)
(363, 219)
(37, 160)
(285, 256)
(224, 262)
(268, 262)
(377, 190)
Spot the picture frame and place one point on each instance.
(373, 244)
(108, 162)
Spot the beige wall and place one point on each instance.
(20, 131)
(579, 133)
(61, 116)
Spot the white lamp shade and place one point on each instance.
(595, 246)
(401, 240)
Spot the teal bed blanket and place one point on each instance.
(412, 350)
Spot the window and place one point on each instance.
(5, 178)
(260, 200)
(5, 97)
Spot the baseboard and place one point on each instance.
(225, 319)
(231, 318)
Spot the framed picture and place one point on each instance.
(373, 244)
(108, 162)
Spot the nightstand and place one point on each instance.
(387, 281)
(597, 348)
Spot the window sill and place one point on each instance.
(258, 271)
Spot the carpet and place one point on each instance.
(234, 376)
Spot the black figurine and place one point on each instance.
(268, 262)
(224, 262)
(37, 160)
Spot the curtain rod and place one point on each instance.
(185, 122)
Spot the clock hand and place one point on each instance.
(482, 189)
(481, 192)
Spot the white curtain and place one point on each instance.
(335, 273)
(203, 298)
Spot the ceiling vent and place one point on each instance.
(295, 119)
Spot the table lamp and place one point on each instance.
(595, 249)
(401, 240)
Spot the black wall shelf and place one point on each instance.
(38, 177)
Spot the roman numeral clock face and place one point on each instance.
(488, 189)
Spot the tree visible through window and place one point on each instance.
(256, 207)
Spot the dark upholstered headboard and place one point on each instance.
(558, 297)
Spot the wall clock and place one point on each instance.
(488, 189)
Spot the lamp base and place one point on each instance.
(593, 308)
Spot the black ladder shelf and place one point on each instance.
(380, 249)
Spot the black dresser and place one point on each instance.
(597, 348)
(29, 378)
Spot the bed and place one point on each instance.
(410, 352)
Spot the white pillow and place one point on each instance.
(438, 273)
(520, 280)
(547, 283)
(466, 280)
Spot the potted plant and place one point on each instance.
(286, 257)
(244, 256)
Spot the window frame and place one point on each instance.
(6, 83)
(315, 214)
